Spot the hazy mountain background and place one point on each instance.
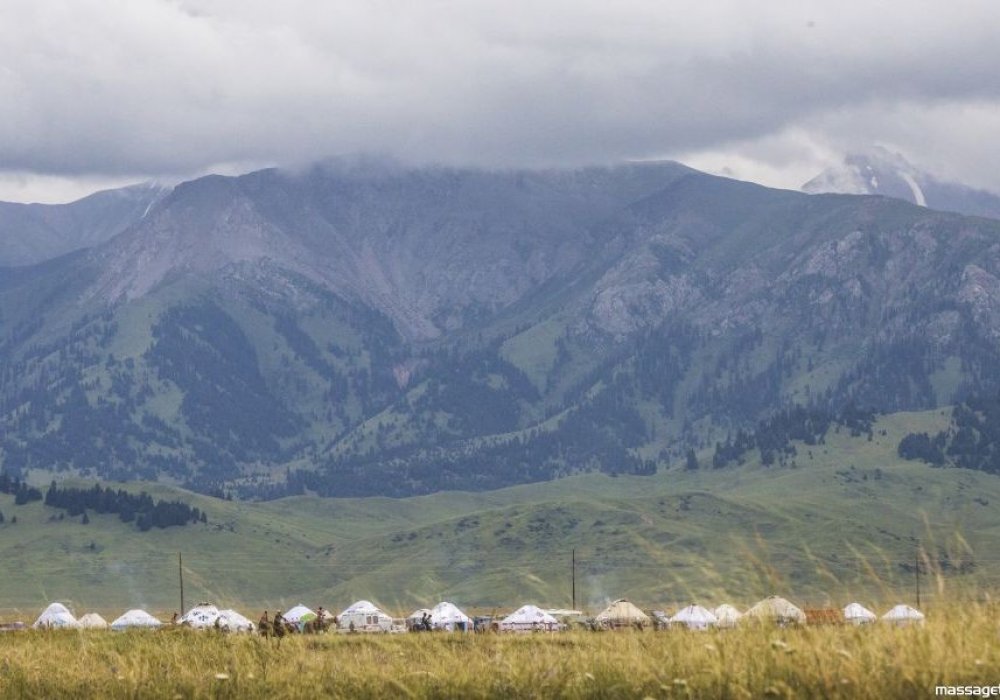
(360, 328)
(883, 172)
(32, 233)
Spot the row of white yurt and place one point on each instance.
(362, 616)
(780, 610)
(858, 614)
(58, 615)
(773, 608)
(205, 615)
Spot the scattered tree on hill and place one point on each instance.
(971, 442)
(691, 460)
(774, 437)
(128, 506)
(922, 446)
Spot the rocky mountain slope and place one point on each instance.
(361, 329)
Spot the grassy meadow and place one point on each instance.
(956, 646)
(849, 521)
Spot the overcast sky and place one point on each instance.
(101, 92)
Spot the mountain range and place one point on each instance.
(361, 328)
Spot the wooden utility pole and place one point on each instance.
(574, 579)
(180, 575)
(916, 572)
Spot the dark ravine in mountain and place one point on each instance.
(361, 329)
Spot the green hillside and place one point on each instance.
(844, 519)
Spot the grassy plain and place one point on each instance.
(956, 646)
(848, 521)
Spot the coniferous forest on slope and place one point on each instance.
(675, 318)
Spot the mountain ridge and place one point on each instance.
(368, 330)
(33, 233)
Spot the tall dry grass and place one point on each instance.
(957, 645)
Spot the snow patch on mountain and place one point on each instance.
(918, 194)
(882, 172)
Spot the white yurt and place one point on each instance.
(727, 615)
(56, 615)
(529, 618)
(777, 610)
(417, 617)
(299, 614)
(200, 616)
(135, 619)
(364, 616)
(858, 614)
(622, 613)
(695, 617)
(234, 622)
(447, 616)
(93, 621)
(903, 615)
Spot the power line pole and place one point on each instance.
(916, 572)
(574, 579)
(180, 575)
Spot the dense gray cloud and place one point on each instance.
(156, 88)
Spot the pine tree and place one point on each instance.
(691, 460)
